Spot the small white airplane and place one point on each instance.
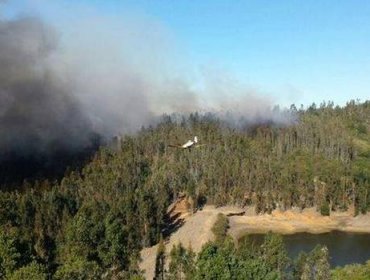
(188, 145)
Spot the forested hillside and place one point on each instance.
(95, 220)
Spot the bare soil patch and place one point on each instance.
(293, 221)
(194, 230)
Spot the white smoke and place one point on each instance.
(95, 74)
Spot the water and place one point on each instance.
(344, 248)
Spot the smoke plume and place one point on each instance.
(61, 89)
(38, 112)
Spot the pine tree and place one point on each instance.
(322, 266)
(32, 271)
(10, 257)
(274, 253)
(160, 260)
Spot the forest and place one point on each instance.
(92, 222)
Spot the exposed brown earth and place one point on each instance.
(195, 230)
(293, 221)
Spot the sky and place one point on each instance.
(292, 51)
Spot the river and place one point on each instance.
(344, 248)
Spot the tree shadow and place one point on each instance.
(173, 223)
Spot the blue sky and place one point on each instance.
(295, 51)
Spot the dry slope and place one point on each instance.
(195, 231)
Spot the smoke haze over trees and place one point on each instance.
(62, 94)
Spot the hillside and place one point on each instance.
(98, 220)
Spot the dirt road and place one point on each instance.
(293, 221)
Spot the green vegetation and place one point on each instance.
(353, 272)
(182, 264)
(160, 260)
(269, 260)
(32, 271)
(95, 221)
(226, 261)
(220, 228)
(314, 265)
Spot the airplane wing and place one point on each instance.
(200, 145)
(188, 144)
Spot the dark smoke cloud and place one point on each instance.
(59, 93)
(56, 95)
(38, 113)
(62, 87)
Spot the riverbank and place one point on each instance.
(295, 221)
(194, 229)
